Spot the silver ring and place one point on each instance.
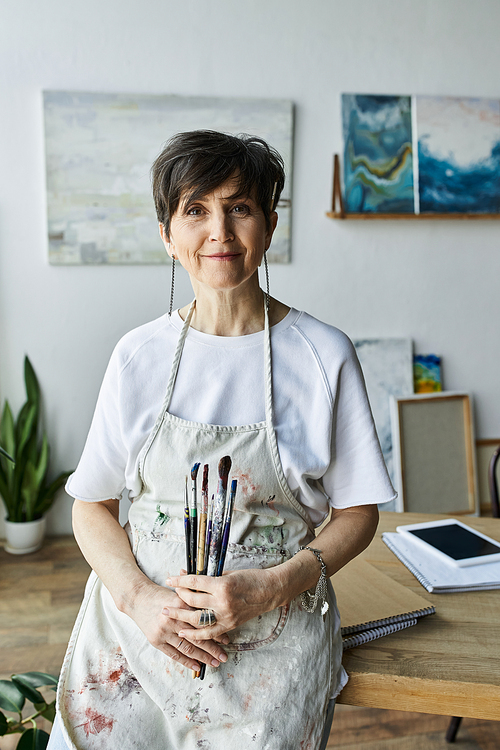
(207, 618)
(180, 643)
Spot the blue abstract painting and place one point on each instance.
(378, 162)
(458, 154)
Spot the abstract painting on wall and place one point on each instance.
(458, 154)
(421, 154)
(387, 366)
(99, 150)
(378, 159)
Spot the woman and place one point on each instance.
(195, 386)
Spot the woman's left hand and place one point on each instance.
(235, 597)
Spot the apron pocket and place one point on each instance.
(259, 631)
(266, 628)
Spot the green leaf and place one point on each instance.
(47, 495)
(29, 491)
(4, 453)
(42, 466)
(11, 698)
(37, 679)
(31, 381)
(33, 739)
(7, 430)
(3, 724)
(27, 690)
(28, 429)
(33, 479)
(21, 418)
(4, 492)
(31, 451)
(7, 468)
(50, 712)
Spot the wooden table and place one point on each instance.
(449, 663)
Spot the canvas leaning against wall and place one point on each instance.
(99, 149)
(421, 154)
(388, 371)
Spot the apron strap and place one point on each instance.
(177, 357)
(268, 378)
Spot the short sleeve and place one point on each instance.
(357, 474)
(100, 474)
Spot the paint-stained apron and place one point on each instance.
(117, 691)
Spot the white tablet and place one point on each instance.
(453, 541)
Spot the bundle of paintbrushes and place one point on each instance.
(207, 541)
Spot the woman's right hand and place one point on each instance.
(163, 632)
(106, 548)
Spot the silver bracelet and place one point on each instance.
(310, 601)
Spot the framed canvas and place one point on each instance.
(484, 451)
(99, 149)
(434, 453)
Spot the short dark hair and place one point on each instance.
(199, 161)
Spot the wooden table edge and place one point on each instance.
(468, 699)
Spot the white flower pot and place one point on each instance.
(23, 538)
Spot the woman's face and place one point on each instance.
(218, 239)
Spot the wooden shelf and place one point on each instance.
(421, 217)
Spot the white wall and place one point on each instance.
(436, 282)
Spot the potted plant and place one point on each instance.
(24, 460)
(13, 696)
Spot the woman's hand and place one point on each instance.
(106, 548)
(235, 597)
(162, 631)
(240, 595)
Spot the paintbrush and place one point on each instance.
(218, 519)
(227, 527)
(224, 545)
(193, 531)
(210, 518)
(186, 526)
(200, 565)
(209, 514)
(193, 520)
(202, 539)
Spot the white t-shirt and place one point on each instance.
(325, 432)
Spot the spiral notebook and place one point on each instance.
(438, 576)
(372, 605)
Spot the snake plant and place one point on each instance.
(24, 458)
